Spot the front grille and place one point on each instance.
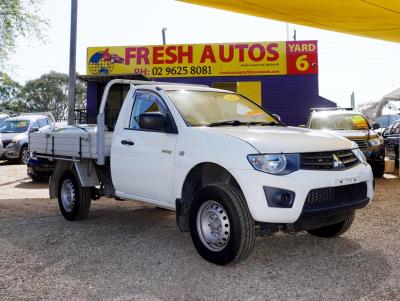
(361, 143)
(335, 160)
(6, 142)
(336, 196)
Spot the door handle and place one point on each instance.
(126, 142)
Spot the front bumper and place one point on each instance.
(300, 182)
(40, 168)
(375, 154)
(10, 153)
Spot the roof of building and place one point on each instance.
(105, 78)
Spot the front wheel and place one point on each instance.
(334, 230)
(24, 155)
(73, 199)
(378, 170)
(221, 225)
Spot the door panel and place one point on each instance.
(142, 161)
(146, 168)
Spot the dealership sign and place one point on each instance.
(233, 59)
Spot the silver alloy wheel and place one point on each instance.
(68, 195)
(25, 155)
(213, 225)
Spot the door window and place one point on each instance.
(35, 125)
(145, 102)
(43, 122)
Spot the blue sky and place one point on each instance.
(346, 63)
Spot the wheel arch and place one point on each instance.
(201, 174)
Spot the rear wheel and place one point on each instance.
(73, 199)
(221, 225)
(334, 230)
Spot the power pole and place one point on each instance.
(163, 35)
(352, 100)
(287, 31)
(72, 63)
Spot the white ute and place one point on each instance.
(229, 168)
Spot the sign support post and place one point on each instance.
(72, 63)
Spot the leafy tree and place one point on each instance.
(9, 92)
(50, 93)
(18, 18)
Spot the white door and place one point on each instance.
(143, 160)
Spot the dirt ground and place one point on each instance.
(127, 251)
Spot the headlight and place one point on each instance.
(276, 164)
(375, 141)
(11, 144)
(360, 156)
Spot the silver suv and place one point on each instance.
(14, 134)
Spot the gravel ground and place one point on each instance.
(127, 251)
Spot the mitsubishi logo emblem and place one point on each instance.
(336, 162)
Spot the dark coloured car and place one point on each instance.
(40, 169)
(352, 125)
(392, 140)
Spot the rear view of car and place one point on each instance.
(354, 126)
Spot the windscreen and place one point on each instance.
(202, 108)
(328, 121)
(14, 126)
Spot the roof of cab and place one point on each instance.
(187, 87)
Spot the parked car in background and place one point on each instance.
(391, 137)
(353, 125)
(15, 133)
(384, 121)
(40, 169)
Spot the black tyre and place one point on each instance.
(221, 225)
(24, 155)
(73, 199)
(334, 230)
(378, 170)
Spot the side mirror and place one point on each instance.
(376, 126)
(34, 130)
(277, 117)
(153, 121)
(302, 125)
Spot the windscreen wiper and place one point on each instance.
(264, 123)
(228, 122)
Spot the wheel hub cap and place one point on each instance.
(68, 195)
(213, 225)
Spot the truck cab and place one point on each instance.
(228, 167)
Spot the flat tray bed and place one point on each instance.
(73, 143)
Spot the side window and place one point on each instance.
(35, 125)
(145, 102)
(42, 122)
